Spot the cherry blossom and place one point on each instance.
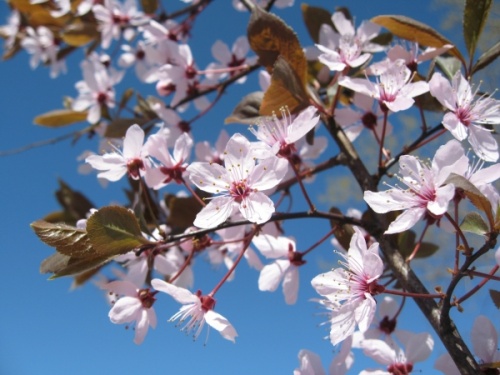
(417, 348)
(43, 48)
(197, 309)
(241, 181)
(426, 195)
(171, 167)
(412, 57)
(310, 363)
(467, 114)
(344, 49)
(116, 164)
(394, 89)
(135, 306)
(280, 134)
(285, 268)
(363, 115)
(236, 57)
(96, 89)
(354, 286)
(205, 152)
(10, 30)
(113, 16)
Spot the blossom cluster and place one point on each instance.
(237, 188)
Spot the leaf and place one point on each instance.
(286, 89)
(415, 31)
(117, 128)
(66, 239)
(487, 58)
(281, 54)
(114, 230)
(60, 117)
(474, 195)
(84, 276)
(63, 265)
(79, 33)
(474, 223)
(343, 232)
(475, 16)
(247, 110)
(149, 6)
(183, 210)
(449, 65)
(407, 243)
(314, 17)
(495, 297)
(269, 37)
(74, 203)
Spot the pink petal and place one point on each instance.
(271, 275)
(125, 310)
(257, 208)
(216, 212)
(291, 285)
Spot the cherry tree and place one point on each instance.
(236, 196)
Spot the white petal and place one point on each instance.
(271, 275)
(214, 213)
(406, 220)
(221, 324)
(133, 141)
(181, 295)
(484, 339)
(291, 285)
(257, 208)
(125, 310)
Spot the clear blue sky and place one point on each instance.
(47, 329)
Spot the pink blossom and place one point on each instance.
(426, 194)
(241, 182)
(285, 268)
(96, 89)
(354, 286)
(280, 134)
(236, 57)
(467, 114)
(310, 363)
(205, 152)
(394, 88)
(197, 309)
(116, 164)
(170, 167)
(135, 306)
(364, 115)
(417, 348)
(43, 48)
(114, 16)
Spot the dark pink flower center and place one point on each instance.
(146, 297)
(207, 302)
(369, 120)
(295, 257)
(464, 115)
(134, 166)
(174, 173)
(387, 325)
(240, 190)
(400, 368)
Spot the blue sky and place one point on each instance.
(47, 329)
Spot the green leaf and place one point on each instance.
(247, 110)
(475, 16)
(474, 223)
(487, 58)
(66, 239)
(114, 230)
(448, 65)
(415, 31)
(117, 128)
(314, 17)
(407, 242)
(60, 117)
(474, 195)
(495, 297)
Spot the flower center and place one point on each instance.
(400, 368)
(369, 120)
(239, 190)
(134, 166)
(147, 297)
(207, 302)
(174, 173)
(387, 325)
(464, 115)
